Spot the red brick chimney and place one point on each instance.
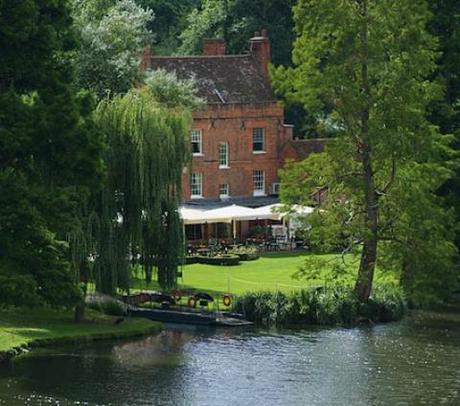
(146, 59)
(260, 49)
(213, 46)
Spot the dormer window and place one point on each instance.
(258, 140)
(197, 142)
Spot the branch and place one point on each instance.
(349, 248)
(390, 182)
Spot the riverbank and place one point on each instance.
(23, 329)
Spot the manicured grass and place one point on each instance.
(20, 327)
(270, 272)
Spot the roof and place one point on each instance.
(304, 148)
(221, 79)
(208, 204)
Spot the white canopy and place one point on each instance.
(226, 214)
(239, 213)
(268, 212)
(191, 216)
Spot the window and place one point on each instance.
(258, 140)
(258, 178)
(197, 145)
(223, 155)
(196, 185)
(193, 231)
(223, 190)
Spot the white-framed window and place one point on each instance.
(258, 140)
(223, 155)
(196, 137)
(196, 185)
(224, 190)
(258, 179)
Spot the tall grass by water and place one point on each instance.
(331, 305)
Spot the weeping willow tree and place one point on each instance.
(147, 148)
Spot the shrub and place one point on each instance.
(110, 307)
(113, 308)
(19, 290)
(227, 259)
(324, 306)
(246, 253)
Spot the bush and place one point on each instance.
(110, 307)
(227, 259)
(17, 290)
(246, 253)
(113, 308)
(324, 306)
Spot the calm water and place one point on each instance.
(415, 362)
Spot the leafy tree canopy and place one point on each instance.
(136, 214)
(236, 21)
(445, 112)
(49, 153)
(169, 21)
(113, 35)
(367, 62)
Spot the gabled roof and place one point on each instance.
(221, 79)
(304, 148)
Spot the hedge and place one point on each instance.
(228, 260)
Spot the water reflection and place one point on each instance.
(411, 363)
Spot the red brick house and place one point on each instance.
(239, 140)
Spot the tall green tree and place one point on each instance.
(445, 112)
(236, 21)
(367, 62)
(49, 153)
(136, 214)
(169, 21)
(113, 35)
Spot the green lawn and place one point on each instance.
(23, 326)
(270, 272)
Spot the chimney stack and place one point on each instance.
(213, 46)
(260, 49)
(146, 60)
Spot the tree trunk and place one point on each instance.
(79, 314)
(365, 278)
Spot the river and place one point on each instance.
(413, 362)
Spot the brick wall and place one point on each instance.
(233, 124)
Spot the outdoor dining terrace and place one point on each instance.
(219, 230)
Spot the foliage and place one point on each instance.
(246, 253)
(169, 21)
(326, 306)
(111, 308)
(367, 63)
(49, 154)
(445, 112)
(113, 35)
(236, 21)
(168, 90)
(137, 209)
(223, 260)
